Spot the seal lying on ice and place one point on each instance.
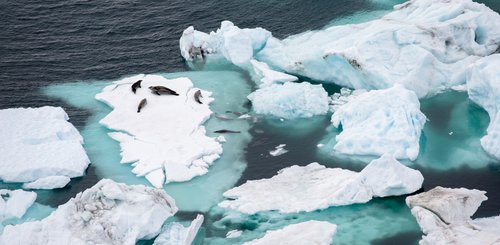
(159, 90)
(224, 131)
(136, 85)
(142, 104)
(197, 96)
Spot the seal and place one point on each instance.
(159, 90)
(197, 96)
(224, 131)
(142, 104)
(136, 85)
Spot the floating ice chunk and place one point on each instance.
(380, 121)
(266, 76)
(279, 150)
(176, 234)
(235, 44)
(47, 183)
(309, 232)
(290, 100)
(483, 83)
(313, 187)
(37, 143)
(166, 141)
(444, 217)
(233, 233)
(424, 45)
(13, 204)
(107, 213)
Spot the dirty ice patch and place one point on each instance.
(39, 142)
(290, 100)
(315, 187)
(166, 141)
(107, 213)
(483, 84)
(378, 122)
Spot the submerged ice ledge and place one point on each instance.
(314, 187)
(38, 143)
(166, 141)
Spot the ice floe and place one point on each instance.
(14, 203)
(175, 233)
(265, 76)
(107, 213)
(166, 141)
(483, 86)
(309, 232)
(313, 187)
(380, 121)
(38, 143)
(290, 100)
(278, 150)
(444, 215)
(424, 45)
(46, 183)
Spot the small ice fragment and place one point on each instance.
(279, 150)
(450, 133)
(233, 233)
(320, 145)
(221, 138)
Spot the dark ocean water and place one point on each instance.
(48, 42)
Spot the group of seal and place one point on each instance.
(143, 101)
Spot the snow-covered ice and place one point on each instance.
(166, 141)
(313, 187)
(290, 100)
(309, 232)
(46, 183)
(265, 76)
(483, 84)
(424, 45)
(380, 121)
(39, 142)
(107, 213)
(278, 150)
(444, 215)
(175, 233)
(14, 203)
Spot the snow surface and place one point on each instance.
(166, 141)
(309, 232)
(15, 203)
(39, 142)
(380, 121)
(265, 76)
(483, 84)
(175, 233)
(424, 45)
(314, 187)
(47, 183)
(290, 100)
(107, 213)
(444, 217)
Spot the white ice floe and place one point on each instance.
(483, 83)
(46, 183)
(14, 203)
(279, 150)
(313, 187)
(176, 234)
(309, 232)
(444, 214)
(424, 45)
(290, 100)
(107, 213)
(166, 141)
(265, 76)
(37, 143)
(235, 44)
(380, 121)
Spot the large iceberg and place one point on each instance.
(14, 203)
(37, 143)
(314, 187)
(483, 87)
(380, 121)
(309, 232)
(444, 217)
(424, 45)
(290, 100)
(107, 213)
(175, 233)
(166, 141)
